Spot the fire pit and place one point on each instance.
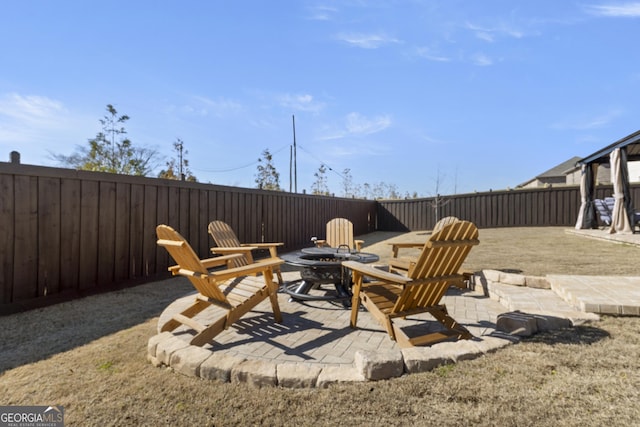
(321, 266)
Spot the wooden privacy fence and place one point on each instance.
(555, 206)
(65, 233)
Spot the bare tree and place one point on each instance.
(267, 177)
(348, 188)
(439, 201)
(320, 186)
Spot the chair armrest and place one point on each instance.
(376, 273)
(263, 245)
(246, 270)
(320, 243)
(401, 263)
(395, 247)
(271, 246)
(220, 260)
(210, 262)
(358, 245)
(233, 250)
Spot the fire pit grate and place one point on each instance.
(320, 266)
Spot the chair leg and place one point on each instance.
(355, 299)
(273, 294)
(191, 311)
(441, 314)
(207, 335)
(279, 274)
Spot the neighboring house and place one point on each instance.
(562, 174)
(567, 173)
(634, 171)
(603, 175)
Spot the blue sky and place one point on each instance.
(448, 96)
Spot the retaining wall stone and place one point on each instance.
(376, 365)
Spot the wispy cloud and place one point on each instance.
(322, 13)
(33, 124)
(31, 109)
(367, 41)
(624, 10)
(300, 102)
(357, 125)
(490, 34)
(482, 60)
(427, 53)
(31, 118)
(587, 123)
(204, 106)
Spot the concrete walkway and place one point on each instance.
(604, 234)
(315, 347)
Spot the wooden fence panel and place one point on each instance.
(48, 236)
(89, 214)
(136, 228)
(70, 193)
(106, 232)
(7, 237)
(162, 256)
(149, 237)
(25, 277)
(122, 232)
(66, 232)
(520, 208)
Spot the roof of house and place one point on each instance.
(558, 171)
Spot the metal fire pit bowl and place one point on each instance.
(321, 266)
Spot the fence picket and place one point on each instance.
(72, 232)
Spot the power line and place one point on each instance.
(238, 167)
(321, 162)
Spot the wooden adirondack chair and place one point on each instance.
(402, 264)
(340, 233)
(228, 243)
(234, 291)
(388, 296)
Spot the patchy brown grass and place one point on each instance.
(89, 356)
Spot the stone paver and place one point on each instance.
(600, 294)
(315, 347)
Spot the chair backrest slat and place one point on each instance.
(224, 237)
(184, 255)
(339, 233)
(441, 257)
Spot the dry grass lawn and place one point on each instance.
(89, 356)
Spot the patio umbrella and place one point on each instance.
(620, 177)
(587, 212)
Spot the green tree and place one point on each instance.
(267, 177)
(320, 186)
(111, 151)
(178, 167)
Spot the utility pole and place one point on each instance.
(180, 147)
(295, 164)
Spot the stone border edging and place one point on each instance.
(167, 350)
(514, 279)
